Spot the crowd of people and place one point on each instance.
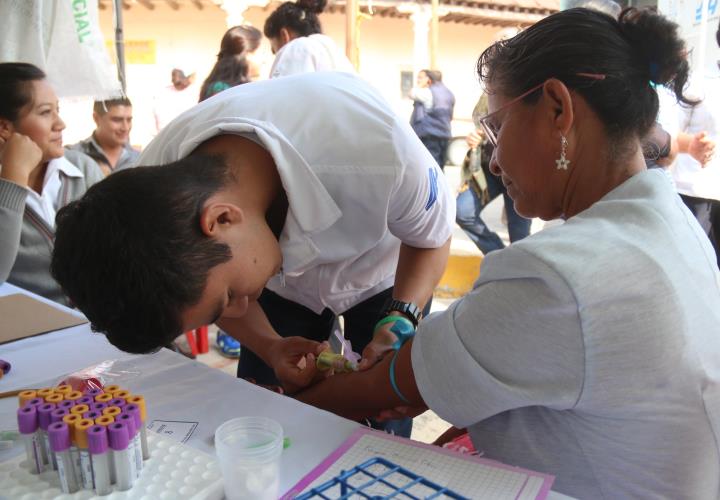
(589, 350)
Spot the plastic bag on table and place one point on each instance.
(96, 376)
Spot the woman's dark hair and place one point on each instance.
(131, 255)
(636, 52)
(15, 89)
(300, 17)
(231, 68)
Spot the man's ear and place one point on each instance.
(217, 217)
(96, 118)
(559, 105)
(7, 129)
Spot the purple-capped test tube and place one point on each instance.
(99, 458)
(92, 415)
(28, 425)
(133, 434)
(5, 366)
(35, 402)
(59, 434)
(123, 462)
(119, 402)
(93, 392)
(44, 421)
(57, 415)
(85, 400)
(67, 403)
(99, 407)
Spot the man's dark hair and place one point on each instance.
(433, 74)
(102, 107)
(301, 17)
(636, 50)
(15, 89)
(131, 254)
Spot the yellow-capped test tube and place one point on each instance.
(111, 411)
(25, 396)
(104, 397)
(63, 389)
(80, 409)
(73, 395)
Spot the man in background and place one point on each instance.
(433, 106)
(173, 99)
(109, 144)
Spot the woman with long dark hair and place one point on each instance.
(233, 67)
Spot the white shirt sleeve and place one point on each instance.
(422, 209)
(424, 95)
(294, 58)
(509, 343)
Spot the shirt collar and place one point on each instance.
(63, 165)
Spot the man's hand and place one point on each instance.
(19, 156)
(473, 139)
(382, 342)
(701, 148)
(293, 359)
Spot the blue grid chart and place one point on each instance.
(378, 478)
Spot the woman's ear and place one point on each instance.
(6, 129)
(216, 218)
(559, 105)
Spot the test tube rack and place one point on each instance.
(173, 471)
(379, 478)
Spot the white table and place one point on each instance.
(176, 389)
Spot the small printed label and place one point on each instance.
(63, 474)
(86, 470)
(177, 430)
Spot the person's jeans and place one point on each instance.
(289, 319)
(438, 149)
(469, 205)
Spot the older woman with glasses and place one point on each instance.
(590, 350)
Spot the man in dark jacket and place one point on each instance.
(432, 113)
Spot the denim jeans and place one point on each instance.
(468, 208)
(289, 319)
(438, 149)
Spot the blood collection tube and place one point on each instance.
(45, 392)
(63, 389)
(27, 417)
(134, 410)
(54, 398)
(59, 434)
(100, 459)
(105, 421)
(119, 402)
(92, 415)
(73, 396)
(44, 421)
(140, 402)
(25, 396)
(58, 414)
(103, 398)
(79, 409)
(71, 419)
(93, 392)
(85, 400)
(122, 394)
(81, 427)
(66, 404)
(112, 411)
(124, 464)
(109, 389)
(99, 407)
(134, 437)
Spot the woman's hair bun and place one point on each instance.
(315, 6)
(656, 45)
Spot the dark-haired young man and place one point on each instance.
(109, 144)
(280, 205)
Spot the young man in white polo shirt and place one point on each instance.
(281, 205)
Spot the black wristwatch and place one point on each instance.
(407, 308)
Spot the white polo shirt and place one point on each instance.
(357, 178)
(307, 54)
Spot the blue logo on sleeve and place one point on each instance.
(432, 177)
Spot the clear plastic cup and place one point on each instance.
(249, 449)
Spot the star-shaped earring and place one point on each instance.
(562, 163)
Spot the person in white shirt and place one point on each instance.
(183, 93)
(37, 177)
(267, 219)
(589, 350)
(297, 41)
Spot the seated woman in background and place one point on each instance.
(233, 66)
(37, 177)
(297, 41)
(590, 350)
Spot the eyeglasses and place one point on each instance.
(491, 130)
